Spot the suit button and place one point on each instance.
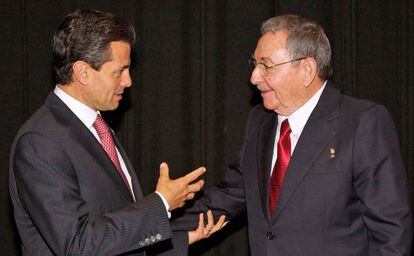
(270, 236)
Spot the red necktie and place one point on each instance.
(279, 170)
(107, 142)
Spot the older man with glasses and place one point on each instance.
(319, 173)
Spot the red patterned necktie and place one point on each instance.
(282, 162)
(107, 142)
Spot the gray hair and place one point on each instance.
(306, 38)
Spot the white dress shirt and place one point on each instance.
(297, 121)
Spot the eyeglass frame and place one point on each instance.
(266, 69)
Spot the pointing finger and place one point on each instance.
(194, 175)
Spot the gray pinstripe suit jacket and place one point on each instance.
(68, 197)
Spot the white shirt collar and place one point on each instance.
(298, 119)
(86, 114)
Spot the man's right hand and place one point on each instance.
(177, 191)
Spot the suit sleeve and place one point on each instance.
(49, 191)
(176, 246)
(381, 184)
(228, 197)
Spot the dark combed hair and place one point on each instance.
(86, 35)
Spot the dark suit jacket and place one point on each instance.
(345, 190)
(68, 197)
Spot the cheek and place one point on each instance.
(115, 84)
(109, 87)
(283, 88)
(276, 86)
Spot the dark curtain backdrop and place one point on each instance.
(191, 93)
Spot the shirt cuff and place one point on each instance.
(167, 206)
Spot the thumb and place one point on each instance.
(164, 171)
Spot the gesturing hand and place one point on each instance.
(202, 231)
(177, 191)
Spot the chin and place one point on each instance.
(269, 106)
(113, 108)
(110, 108)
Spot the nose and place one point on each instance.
(126, 80)
(256, 76)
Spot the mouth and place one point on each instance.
(118, 96)
(266, 93)
(263, 91)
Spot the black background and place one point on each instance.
(191, 93)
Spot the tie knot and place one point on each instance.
(285, 128)
(100, 126)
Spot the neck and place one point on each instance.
(74, 90)
(306, 95)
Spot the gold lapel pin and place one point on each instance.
(332, 153)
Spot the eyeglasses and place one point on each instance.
(265, 69)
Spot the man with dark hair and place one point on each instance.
(86, 35)
(320, 173)
(73, 188)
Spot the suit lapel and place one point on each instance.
(134, 180)
(265, 143)
(83, 136)
(316, 134)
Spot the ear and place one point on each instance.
(309, 70)
(81, 72)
